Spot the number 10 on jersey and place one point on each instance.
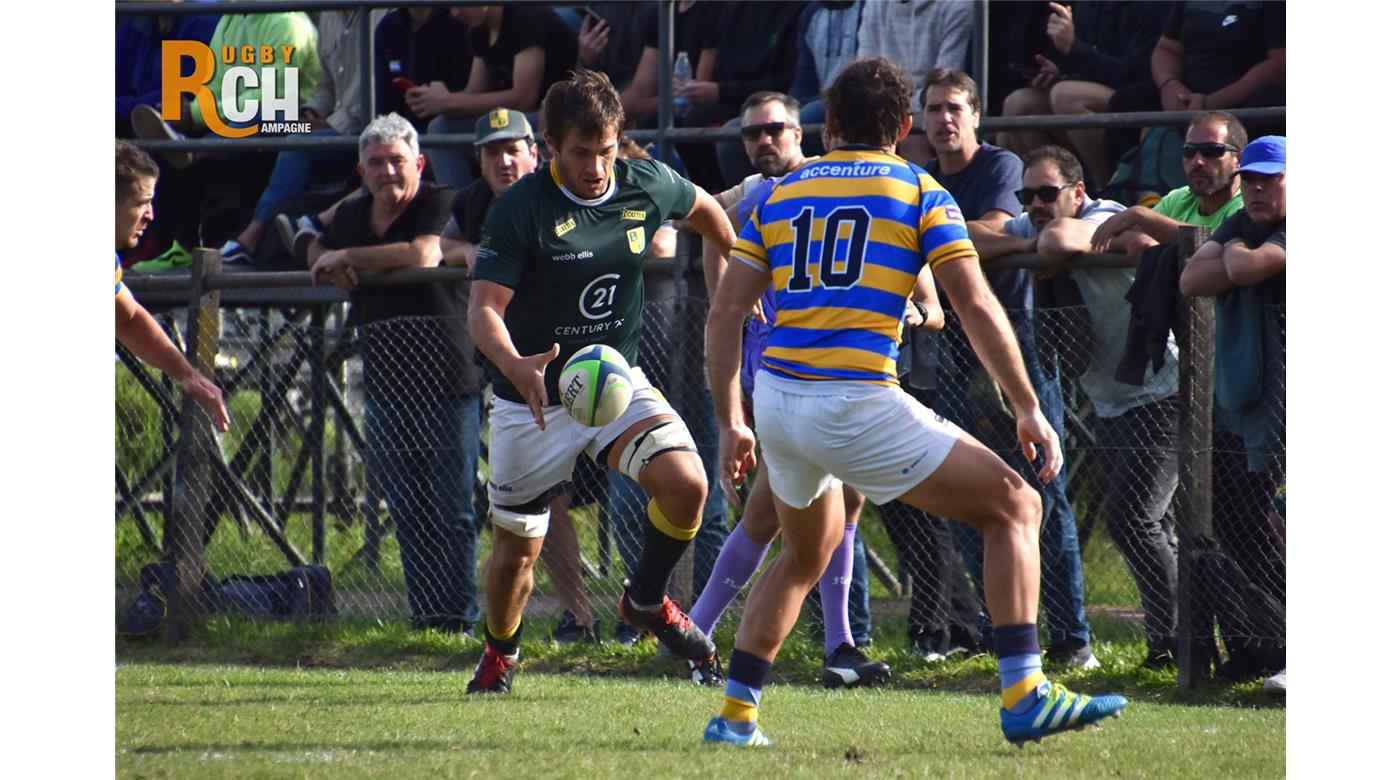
(835, 272)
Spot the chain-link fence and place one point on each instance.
(363, 450)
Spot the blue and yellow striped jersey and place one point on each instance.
(861, 223)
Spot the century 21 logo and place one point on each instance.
(174, 84)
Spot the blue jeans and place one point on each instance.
(424, 455)
(294, 170)
(1061, 569)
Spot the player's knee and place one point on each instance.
(1025, 511)
(687, 488)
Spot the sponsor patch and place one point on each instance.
(564, 227)
(634, 214)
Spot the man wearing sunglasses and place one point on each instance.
(1210, 157)
(1242, 267)
(983, 178)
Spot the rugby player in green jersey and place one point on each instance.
(559, 268)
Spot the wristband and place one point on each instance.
(922, 310)
(1164, 84)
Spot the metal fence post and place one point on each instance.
(193, 486)
(316, 429)
(1195, 343)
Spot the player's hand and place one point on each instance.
(1060, 27)
(1034, 430)
(757, 312)
(736, 457)
(208, 394)
(527, 375)
(334, 267)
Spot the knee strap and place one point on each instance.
(664, 437)
(529, 520)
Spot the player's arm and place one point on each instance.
(1205, 275)
(139, 332)
(990, 332)
(739, 290)
(992, 241)
(712, 262)
(710, 221)
(487, 324)
(926, 295)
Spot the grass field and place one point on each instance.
(214, 720)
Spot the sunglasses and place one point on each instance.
(1208, 151)
(1047, 194)
(773, 129)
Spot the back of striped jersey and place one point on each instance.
(843, 238)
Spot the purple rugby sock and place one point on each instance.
(836, 592)
(738, 560)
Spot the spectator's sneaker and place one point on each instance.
(671, 627)
(569, 632)
(848, 667)
(494, 673)
(148, 126)
(626, 635)
(718, 731)
(297, 236)
(1278, 684)
(1158, 659)
(706, 673)
(1058, 710)
(1073, 658)
(925, 648)
(232, 253)
(176, 258)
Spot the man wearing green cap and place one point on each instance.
(506, 151)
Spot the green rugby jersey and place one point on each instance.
(575, 265)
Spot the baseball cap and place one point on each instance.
(500, 124)
(1267, 155)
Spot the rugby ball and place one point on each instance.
(595, 385)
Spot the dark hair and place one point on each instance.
(789, 102)
(1235, 134)
(869, 100)
(133, 165)
(586, 101)
(1064, 159)
(953, 79)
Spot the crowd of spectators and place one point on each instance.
(484, 69)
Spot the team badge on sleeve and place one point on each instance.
(954, 214)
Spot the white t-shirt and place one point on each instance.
(1109, 312)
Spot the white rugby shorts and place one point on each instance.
(874, 438)
(526, 461)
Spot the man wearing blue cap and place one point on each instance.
(1242, 267)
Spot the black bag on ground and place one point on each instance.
(305, 591)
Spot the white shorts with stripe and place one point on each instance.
(874, 438)
(526, 461)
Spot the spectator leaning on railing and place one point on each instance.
(1242, 267)
(1139, 491)
(422, 391)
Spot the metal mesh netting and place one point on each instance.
(377, 471)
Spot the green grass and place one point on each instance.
(202, 720)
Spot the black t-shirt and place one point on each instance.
(523, 26)
(440, 50)
(1222, 40)
(1239, 225)
(469, 208)
(695, 30)
(431, 351)
(626, 36)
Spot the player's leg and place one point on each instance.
(845, 664)
(810, 535)
(741, 555)
(527, 464)
(650, 444)
(976, 487)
